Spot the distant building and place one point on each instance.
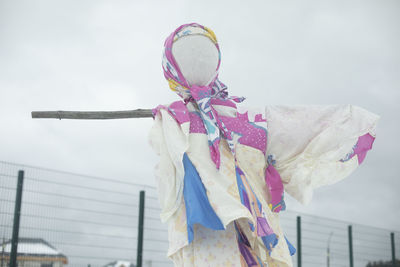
(33, 252)
(383, 264)
(119, 264)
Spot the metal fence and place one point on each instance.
(69, 219)
(326, 242)
(79, 220)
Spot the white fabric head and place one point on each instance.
(197, 58)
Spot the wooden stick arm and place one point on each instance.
(93, 115)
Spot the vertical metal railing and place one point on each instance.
(350, 233)
(298, 241)
(393, 249)
(140, 230)
(17, 216)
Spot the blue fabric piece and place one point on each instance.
(198, 208)
(242, 190)
(270, 241)
(251, 227)
(292, 249)
(260, 262)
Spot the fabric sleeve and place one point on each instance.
(169, 139)
(315, 145)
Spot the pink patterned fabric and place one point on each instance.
(363, 145)
(177, 109)
(250, 134)
(275, 186)
(196, 123)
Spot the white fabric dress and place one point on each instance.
(312, 146)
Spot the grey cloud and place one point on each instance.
(99, 55)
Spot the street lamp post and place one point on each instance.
(327, 249)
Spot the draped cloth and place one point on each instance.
(223, 168)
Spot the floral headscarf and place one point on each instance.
(201, 95)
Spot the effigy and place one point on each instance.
(224, 168)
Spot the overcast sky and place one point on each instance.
(106, 55)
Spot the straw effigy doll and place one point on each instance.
(224, 168)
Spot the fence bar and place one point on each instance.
(139, 253)
(393, 251)
(298, 241)
(2, 251)
(17, 215)
(350, 231)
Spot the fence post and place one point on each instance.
(139, 253)
(2, 251)
(393, 251)
(17, 215)
(350, 232)
(298, 241)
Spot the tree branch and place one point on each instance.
(93, 115)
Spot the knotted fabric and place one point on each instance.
(201, 95)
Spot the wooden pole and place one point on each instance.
(93, 115)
